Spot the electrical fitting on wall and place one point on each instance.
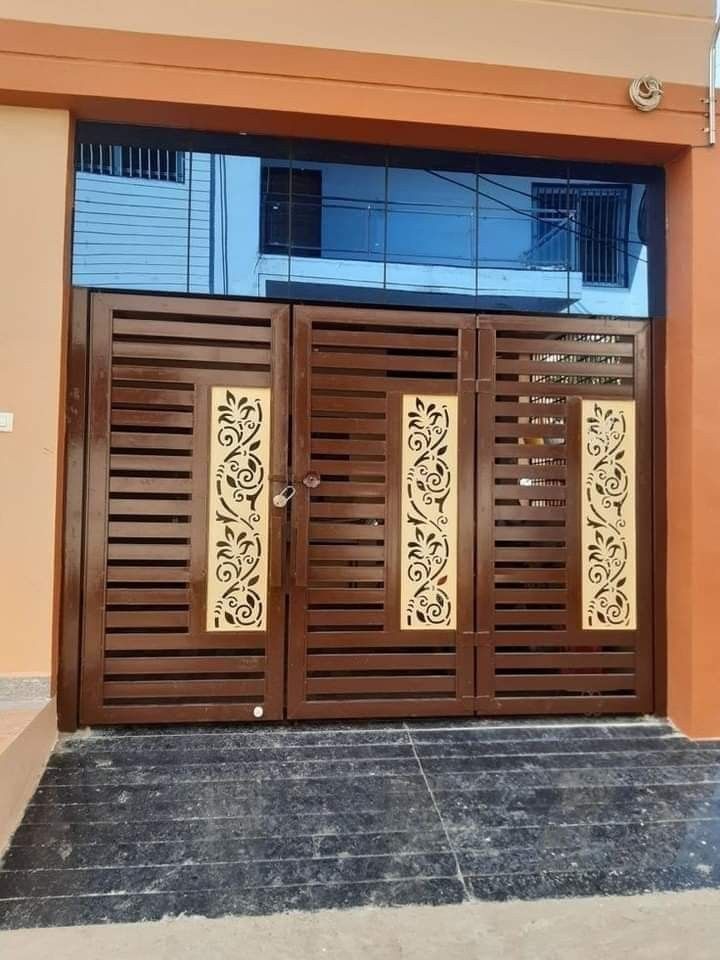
(646, 93)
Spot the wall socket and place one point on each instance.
(6, 421)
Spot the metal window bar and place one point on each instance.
(595, 218)
(140, 163)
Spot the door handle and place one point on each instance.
(311, 480)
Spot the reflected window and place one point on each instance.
(143, 163)
(292, 197)
(586, 226)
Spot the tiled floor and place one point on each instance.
(137, 824)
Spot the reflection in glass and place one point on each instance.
(343, 223)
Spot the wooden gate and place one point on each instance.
(423, 514)
(187, 440)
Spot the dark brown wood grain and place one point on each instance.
(349, 655)
(71, 597)
(148, 655)
(136, 514)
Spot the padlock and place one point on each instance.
(284, 497)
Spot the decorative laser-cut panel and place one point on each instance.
(238, 509)
(429, 512)
(609, 549)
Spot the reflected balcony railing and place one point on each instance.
(443, 234)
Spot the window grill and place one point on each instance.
(139, 163)
(584, 226)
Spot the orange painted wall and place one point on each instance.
(33, 200)
(693, 430)
(608, 37)
(235, 85)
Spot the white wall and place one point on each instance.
(133, 233)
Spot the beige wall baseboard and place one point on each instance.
(28, 731)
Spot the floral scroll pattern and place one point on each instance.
(429, 509)
(237, 568)
(608, 515)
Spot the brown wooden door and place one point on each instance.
(564, 592)
(553, 480)
(468, 527)
(381, 619)
(187, 443)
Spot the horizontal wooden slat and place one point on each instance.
(351, 662)
(376, 362)
(380, 339)
(530, 554)
(124, 373)
(539, 491)
(564, 681)
(328, 316)
(379, 685)
(530, 616)
(124, 666)
(531, 451)
(376, 381)
(374, 489)
(150, 463)
(555, 368)
(322, 640)
(530, 471)
(533, 514)
(564, 705)
(136, 530)
(542, 326)
(154, 507)
(147, 597)
(345, 618)
(538, 345)
(559, 638)
(167, 689)
(348, 468)
(167, 419)
(336, 573)
(529, 575)
(146, 574)
(346, 531)
(154, 485)
(355, 595)
(517, 533)
(356, 406)
(146, 619)
(510, 595)
(340, 551)
(148, 551)
(191, 353)
(530, 430)
(514, 388)
(506, 408)
(152, 397)
(560, 660)
(348, 447)
(349, 426)
(191, 330)
(126, 439)
(359, 511)
(141, 643)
